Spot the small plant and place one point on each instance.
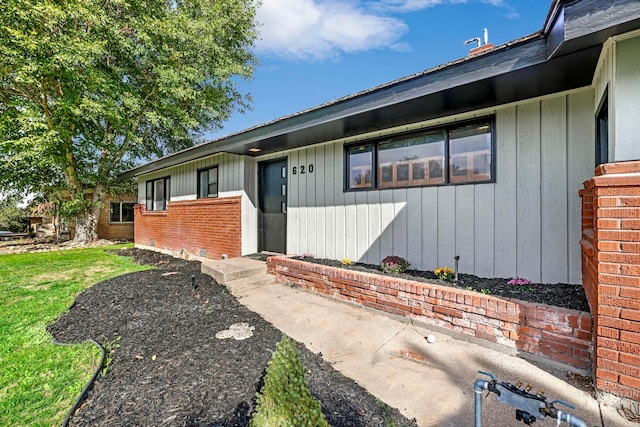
(307, 256)
(394, 264)
(485, 291)
(346, 261)
(284, 399)
(469, 288)
(519, 282)
(445, 273)
(110, 347)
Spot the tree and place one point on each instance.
(88, 88)
(284, 399)
(12, 216)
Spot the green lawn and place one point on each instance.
(40, 381)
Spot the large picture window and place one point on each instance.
(208, 183)
(451, 155)
(157, 194)
(121, 211)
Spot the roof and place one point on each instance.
(561, 56)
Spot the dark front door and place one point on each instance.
(272, 216)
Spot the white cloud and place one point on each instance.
(317, 30)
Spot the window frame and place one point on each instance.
(199, 184)
(150, 199)
(120, 203)
(446, 130)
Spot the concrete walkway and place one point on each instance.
(390, 357)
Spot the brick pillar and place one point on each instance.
(611, 274)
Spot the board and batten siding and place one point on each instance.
(526, 224)
(237, 175)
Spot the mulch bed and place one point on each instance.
(168, 368)
(558, 294)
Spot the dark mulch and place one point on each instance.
(559, 294)
(167, 367)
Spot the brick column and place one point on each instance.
(611, 274)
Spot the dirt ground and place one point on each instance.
(167, 367)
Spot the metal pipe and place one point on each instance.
(572, 420)
(478, 387)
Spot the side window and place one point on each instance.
(470, 154)
(208, 183)
(360, 166)
(602, 131)
(121, 211)
(157, 194)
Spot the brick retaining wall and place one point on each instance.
(559, 334)
(205, 228)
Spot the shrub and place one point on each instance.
(284, 400)
(346, 261)
(445, 273)
(394, 264)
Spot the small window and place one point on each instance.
(470, 154)
(208, 183)
(121, 211)
(451, 155)
(360, 161)
(157, 194)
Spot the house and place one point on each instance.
(481, 158)
(114, 223)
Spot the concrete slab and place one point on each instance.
(390, 357)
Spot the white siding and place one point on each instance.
(527, 224)
(627, 100)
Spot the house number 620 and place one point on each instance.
(303, 169)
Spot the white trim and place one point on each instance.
(186, 198)
(626, 36)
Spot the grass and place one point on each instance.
(39, 380)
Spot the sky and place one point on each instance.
(314, 51)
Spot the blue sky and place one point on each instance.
(314, 51)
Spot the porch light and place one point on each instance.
(255, 150)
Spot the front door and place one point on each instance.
(272, 215)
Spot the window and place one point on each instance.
(359, 161)
(157, 194)
(121, 211)
(602, 131)
(470, 154)
(419, 159)
(208, 183)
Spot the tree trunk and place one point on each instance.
(87, 223)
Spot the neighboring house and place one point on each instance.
(115, 221)
(481, 158)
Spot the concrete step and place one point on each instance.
(224, 271)
(239, 286)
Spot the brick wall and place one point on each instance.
(611, 274)
(206, 228)
(114, 231)
(559, 334)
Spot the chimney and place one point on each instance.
(481, 49)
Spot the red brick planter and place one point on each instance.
(559, 334)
